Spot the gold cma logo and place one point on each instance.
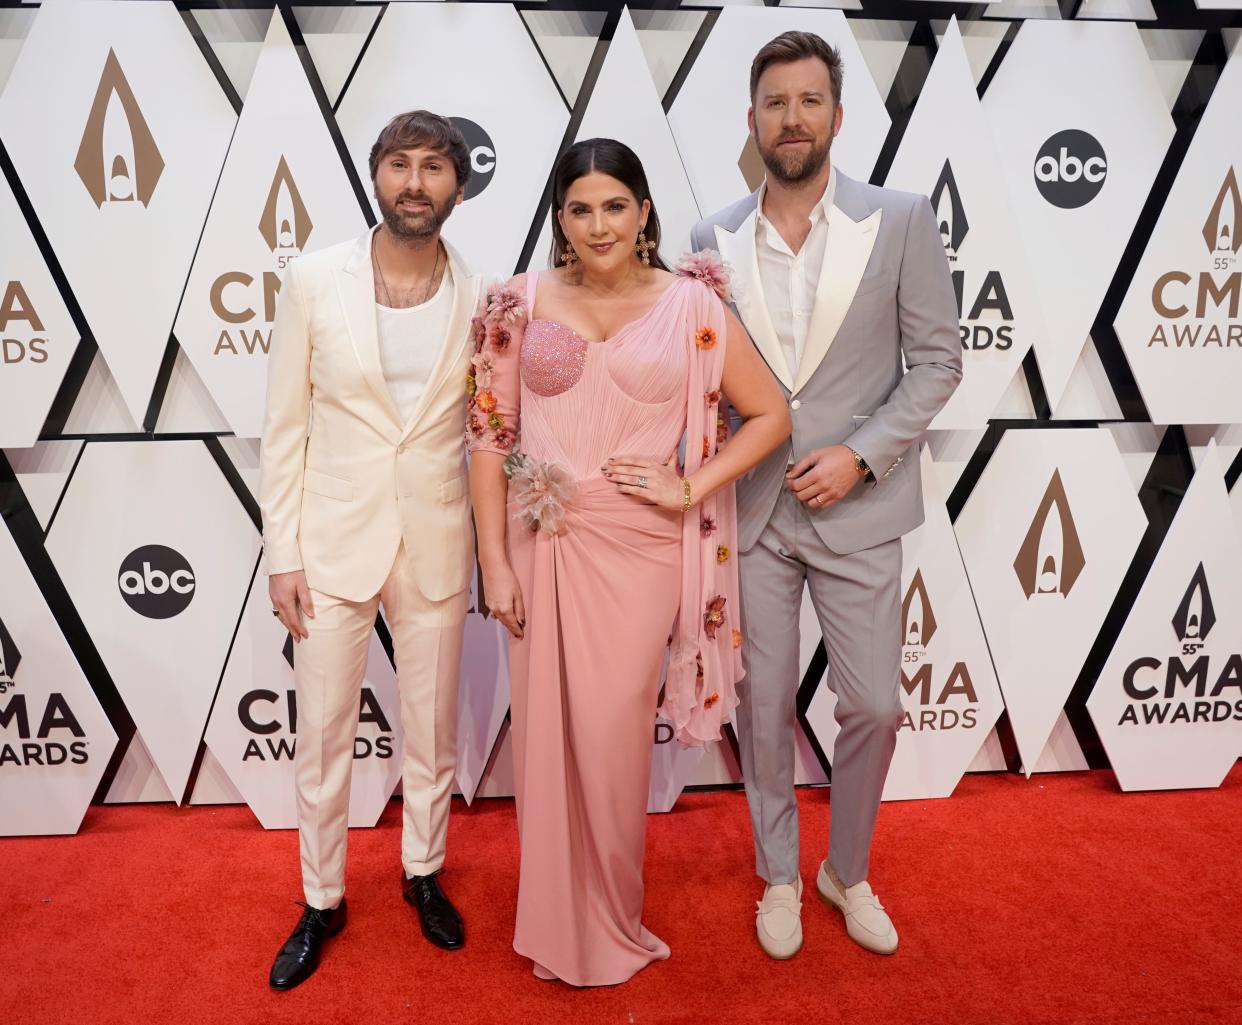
(918, 621)
(1051, 556)
(285, 224)
(1222, 231)
(118, 160)
(236, 297)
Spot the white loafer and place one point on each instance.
(778, 922)
(866, 921)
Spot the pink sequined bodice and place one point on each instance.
(583, 402)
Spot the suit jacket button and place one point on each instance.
(796, 404)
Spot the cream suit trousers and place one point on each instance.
(329, 666)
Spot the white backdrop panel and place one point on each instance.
(283, 191)
(156, 553)
(1168, 703)
(55, 740)
(1181, 321)
(947, 154)
(118, 127)
(1079, 153)
(1047, 535)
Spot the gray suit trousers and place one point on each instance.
(857, 601)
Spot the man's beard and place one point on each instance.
(791, 167)
(418, 226)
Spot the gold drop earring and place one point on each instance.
(570, 256)
(643, 248)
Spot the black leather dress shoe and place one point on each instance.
(440, 921)
(299, 957)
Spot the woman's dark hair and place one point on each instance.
(615, 159)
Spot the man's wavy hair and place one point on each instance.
(422, 128)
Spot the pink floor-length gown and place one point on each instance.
(602, 597)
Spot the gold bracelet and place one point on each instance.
(685, 494)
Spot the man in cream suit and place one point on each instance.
(839, 283)
(365, 503)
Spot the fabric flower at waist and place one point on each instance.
(541, 492)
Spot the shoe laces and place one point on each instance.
(310, 914)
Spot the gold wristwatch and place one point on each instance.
(860, 464)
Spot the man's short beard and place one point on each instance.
(415, 227)
(795, 168)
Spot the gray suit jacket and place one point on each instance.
(885, 298)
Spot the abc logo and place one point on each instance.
(1070, 169)
(482, 155)
(156, 582)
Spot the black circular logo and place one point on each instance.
(482, 155)
(156, 581)
(1070, 169)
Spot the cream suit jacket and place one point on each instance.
(342, 478)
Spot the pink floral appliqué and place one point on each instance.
(710, 269)
(505, 305)
(484, 364)
(714, 616)
(541, 492)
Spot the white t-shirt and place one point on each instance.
(410, 341)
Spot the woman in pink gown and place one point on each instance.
(597, 553)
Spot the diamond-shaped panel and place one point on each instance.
(1181, 321)
(1079, 154)
(156, 553)
(117, 128)
(1047, 536)
(37, 336)
(1168, 703)
(998, 305)
(283, 192)
(55, 740)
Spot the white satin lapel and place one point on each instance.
(356, 284)
(454, 345)
(846, 252)
(738, 250)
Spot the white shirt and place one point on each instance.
(410, 341)
(790, 280)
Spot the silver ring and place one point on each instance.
(642, 482)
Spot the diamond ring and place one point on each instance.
(642, 482)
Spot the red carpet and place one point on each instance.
(1054, 901)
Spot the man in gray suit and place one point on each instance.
(840, 283)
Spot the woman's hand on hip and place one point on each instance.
(655, 483)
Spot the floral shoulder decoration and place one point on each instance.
(500, 310)
(709, 268)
